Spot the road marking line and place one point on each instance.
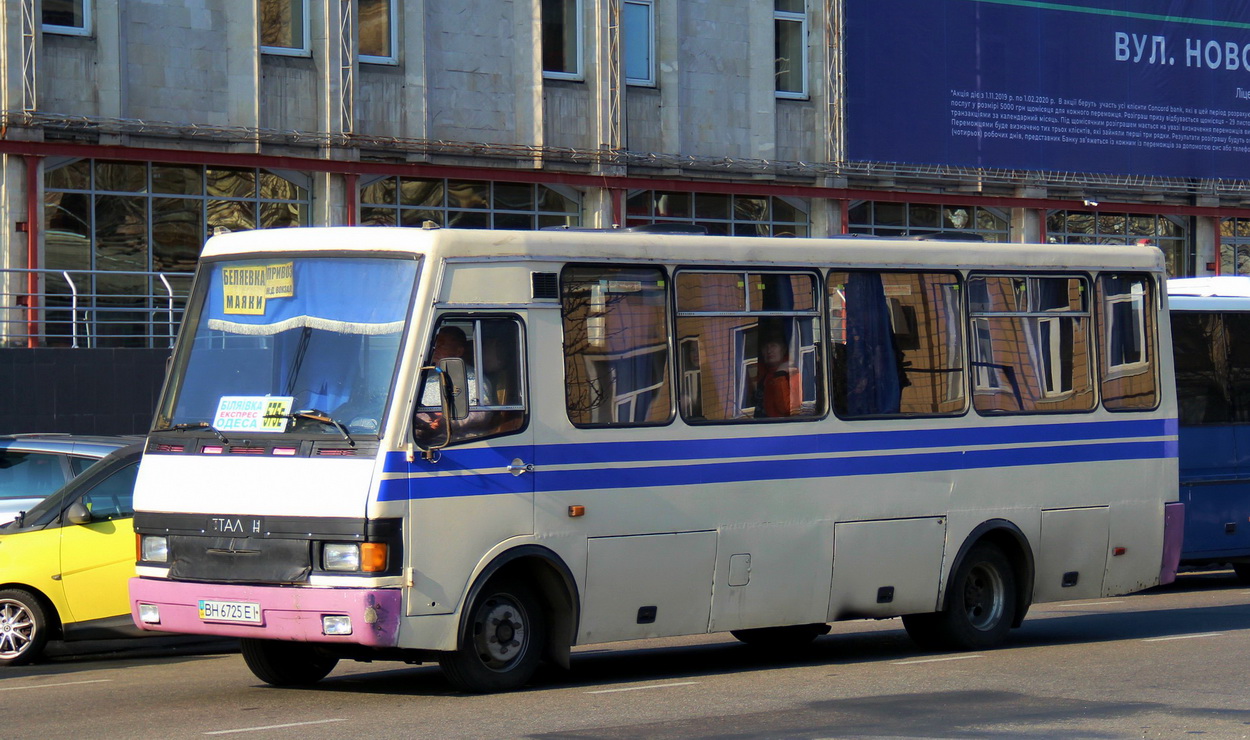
(49, 685)
(274, 727)
(937, 660)
(644, 688)
(1183, 637)
(1097, 603)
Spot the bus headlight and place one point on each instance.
(365, 557)
(154, 548)
(341, 556)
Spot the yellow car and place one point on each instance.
(65, 563)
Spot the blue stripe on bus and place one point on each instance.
(715, 471)
(801, 444)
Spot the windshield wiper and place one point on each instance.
(196, 425)
(318, 416)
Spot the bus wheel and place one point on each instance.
(286, 663)
(23, 627)
(980, 606)
(781, 638)
(503, 640)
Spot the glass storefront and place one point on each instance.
(719, 213)
(883, 218)
(467, 204)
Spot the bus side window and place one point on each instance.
(897, 344)
(492, 349)
(1200, 345)
(1127, 331)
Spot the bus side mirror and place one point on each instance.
(455, 388)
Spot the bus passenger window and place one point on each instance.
(897, 344)
(616, 370)
(1030, 344)
(750, 346)
(1127, 330)
(492, 349)
(1200, 345)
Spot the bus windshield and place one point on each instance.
(276, 342)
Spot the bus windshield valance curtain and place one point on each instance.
(263, 298)
(873, 386)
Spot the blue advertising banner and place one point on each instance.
(1134, 87)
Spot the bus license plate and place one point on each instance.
(229, 611)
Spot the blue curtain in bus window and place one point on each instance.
(873, 386)
(351, 296)
(322, 368)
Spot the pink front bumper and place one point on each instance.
(287, 612)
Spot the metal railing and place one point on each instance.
(91, 308)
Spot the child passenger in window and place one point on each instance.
(778, 384)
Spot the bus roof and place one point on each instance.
(620, 245)
(1214, 293)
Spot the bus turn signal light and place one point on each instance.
(373, 557)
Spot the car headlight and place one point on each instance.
(153, 548)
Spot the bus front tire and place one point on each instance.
(286, 663)
(980, 606)
(23, 627)
(503, 640)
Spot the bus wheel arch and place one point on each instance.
(554, 586)
(986, 594)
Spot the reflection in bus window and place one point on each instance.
(750, 346)
(1126, 325)
(615, 346)
(1200, 346)
(1031, 348)
(897, 344)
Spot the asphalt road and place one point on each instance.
(1162, 664)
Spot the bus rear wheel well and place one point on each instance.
(555, 587)
(1009, 540)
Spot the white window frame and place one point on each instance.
(85, 30)
(304, 49)
(392, 29)
(579, 36)
(780, 16)
(649, 80)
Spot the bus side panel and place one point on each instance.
(773, 574)
(648, 586)
(1074, 554)
(886, 568)
(1136, 526)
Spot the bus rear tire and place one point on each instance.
(980, 606)
(282, 663)
(781, 638)
(503, 640)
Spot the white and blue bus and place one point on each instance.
(482, 448)
(1211, 341)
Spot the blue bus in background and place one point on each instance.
(1211, 344)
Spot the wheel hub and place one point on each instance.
(504, 635)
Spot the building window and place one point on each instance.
(1234, 246)
(880, 218)
(284, 26)
(562, 39)
(1085, 227)
(129, 221)
(467, 204)
(71, 17)
(376, 30)
(790, 45)
(638, 29)
(739, 215)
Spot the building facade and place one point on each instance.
(134, 129)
